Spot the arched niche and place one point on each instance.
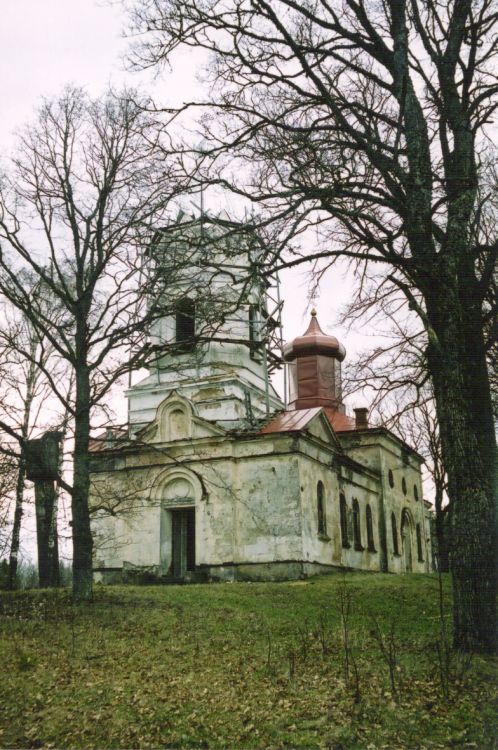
(178, 423)
(177, 487)
(174, 420)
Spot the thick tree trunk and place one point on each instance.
(45, 495)
(16, 528)
(53, 544)
(82, 537)
(458, 367)
(442, 541)
(21, 473)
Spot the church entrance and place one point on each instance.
(183, 541)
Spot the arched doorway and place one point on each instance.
(406, 540)
(178, 492)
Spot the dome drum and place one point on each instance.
(315, 369)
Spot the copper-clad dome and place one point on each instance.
(314, 341)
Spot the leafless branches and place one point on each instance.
(367, 123)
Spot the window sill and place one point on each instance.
(359, 547)
(323, 537)
(346, 545)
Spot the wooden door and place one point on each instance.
(183, 541)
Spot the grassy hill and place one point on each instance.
(342, 661)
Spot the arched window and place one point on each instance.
(185, 324)
(394, 530)
(356, 525)
(403, 486)
(420, 551)
(370, 531)
(391, 478)
(415, 492)
(320, 508)
(344, 520)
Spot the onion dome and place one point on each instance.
(314, 341)
(315, 369)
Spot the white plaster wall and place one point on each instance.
(331, 551)
(267, 509)
(385, 454)
(315, 549)
(258, 504)
(351, 557)
(214, 521)
(132, 538)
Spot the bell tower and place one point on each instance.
(214, 334)
(315, 369)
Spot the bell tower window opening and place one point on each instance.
(320, 507)
(185, 324)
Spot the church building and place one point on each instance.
(216, 478)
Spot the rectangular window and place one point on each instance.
(370, 532)
(420, 551)
(356, 525)
(344, 521)
(320, 505)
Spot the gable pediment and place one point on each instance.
(320, 427)
(176, 419)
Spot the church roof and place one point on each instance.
(297, 419)
(339, 421)
(313, 342)
(115, 437)
(289, 421)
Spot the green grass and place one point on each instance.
(241, 666)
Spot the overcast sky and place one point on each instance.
(45, 44)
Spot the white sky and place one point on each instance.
(45, 44)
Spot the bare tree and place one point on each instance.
(420, 428)
(25, 391)
(87, 188)
(7, 489)
(367, 122)
(393, 375)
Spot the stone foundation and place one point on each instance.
(288, 570)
